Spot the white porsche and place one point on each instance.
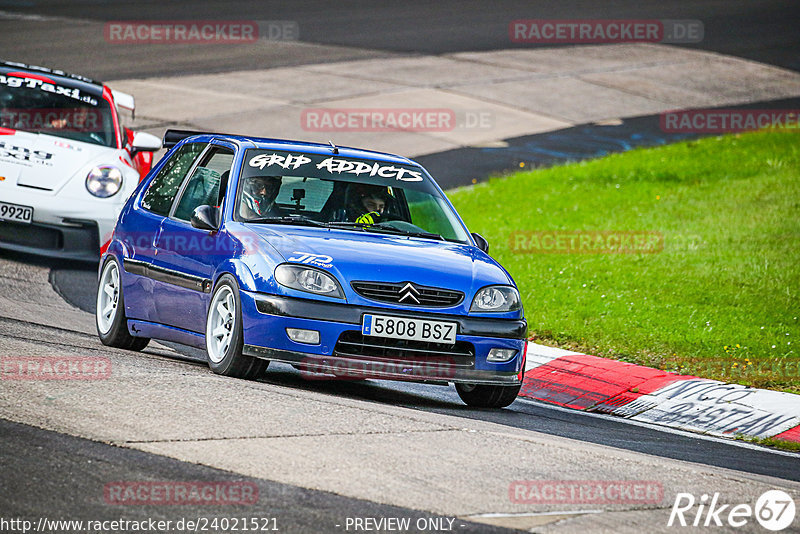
(67, 164)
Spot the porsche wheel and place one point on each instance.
(482, 396)
(224, 339)
(112, 325)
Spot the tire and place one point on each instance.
(109, 316)
(481, 396)
(224, 338)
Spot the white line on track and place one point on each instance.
(537, 514)
(12, 15)
(660, 428)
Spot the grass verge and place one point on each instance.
(781, 444)
(711, 286)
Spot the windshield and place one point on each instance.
(33, 105)
(358, 195)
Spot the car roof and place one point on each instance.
(247, 141)
(86, 85)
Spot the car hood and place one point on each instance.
(43, 162)
(364, 256)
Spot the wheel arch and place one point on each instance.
(117, 250)
(240, 272)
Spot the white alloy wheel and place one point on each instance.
(221, 323)
(107, 297)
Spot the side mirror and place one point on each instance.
(205, 218)
(145, 142)
(481, 242)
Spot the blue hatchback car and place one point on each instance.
(342, 262)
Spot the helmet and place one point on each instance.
(260, 193)
(356, 195)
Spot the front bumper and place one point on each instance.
(344, 352)
(63, 226)
(78, 241)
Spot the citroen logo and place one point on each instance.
(409, 292)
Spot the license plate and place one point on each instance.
(16, 213)
(406, 328)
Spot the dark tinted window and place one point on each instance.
(165, 185)
(315, 192)
(330, 188)
(59, 109)
(203, 187)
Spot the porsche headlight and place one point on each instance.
(309, 280)
(496, 299)
(104, 181)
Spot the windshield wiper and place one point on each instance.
(366, 227)
(398, 231)
(288, 219)
(385, 229)
(345, 224)
(426, 235)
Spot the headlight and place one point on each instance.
(308, 280)
(104, 181)
(496, 299)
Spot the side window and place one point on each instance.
(431, 214)
(162, 190)
(204, 185)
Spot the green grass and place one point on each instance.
(773, 443)
(720, 300)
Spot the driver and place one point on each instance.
(258, 197)
(367, 203)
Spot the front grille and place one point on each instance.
(31, 235)
(408, 293)
(353, 344)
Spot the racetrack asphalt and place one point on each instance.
(462, 165)
(62, 477)
(496, 109)
(760, 30)
(65, 473)
(523, 414)
(512, 103)
(413, 446)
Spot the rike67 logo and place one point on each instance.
(774, 510)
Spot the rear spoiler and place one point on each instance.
(173, 137)
(124, 100)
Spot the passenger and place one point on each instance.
(366, 203)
